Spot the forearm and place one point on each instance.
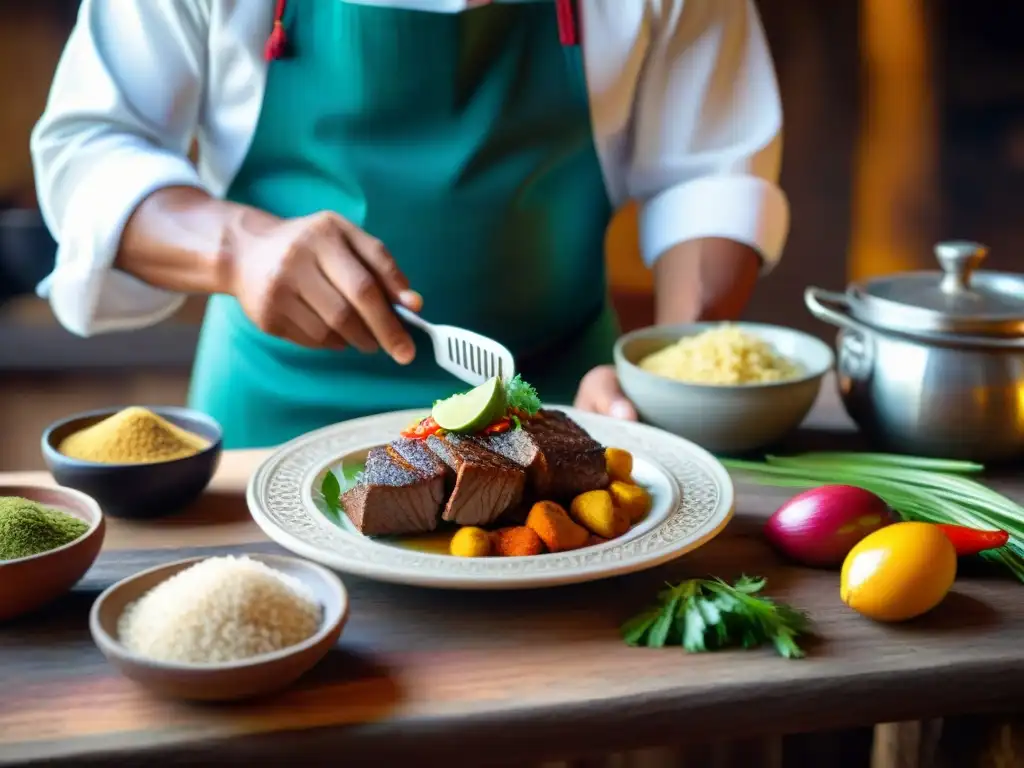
(183, 240)
(706, 279)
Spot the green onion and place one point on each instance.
(889, 460)
(922, 489)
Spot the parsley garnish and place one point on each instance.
(710, 615)
(520, 396)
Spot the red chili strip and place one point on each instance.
(971, 541)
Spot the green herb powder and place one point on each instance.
(28, 528)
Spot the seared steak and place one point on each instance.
(423, 460)
(405, 484)
(561, 460)
(519, 447)
(482, 484)
(400, 492)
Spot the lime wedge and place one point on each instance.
(473, 410)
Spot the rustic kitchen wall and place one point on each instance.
(31, 38)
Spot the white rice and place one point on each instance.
(220, 610)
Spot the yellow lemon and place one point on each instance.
(898, 572)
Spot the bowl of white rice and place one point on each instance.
(220, 628)
(729, 387)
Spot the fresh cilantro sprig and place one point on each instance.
(710, 615)
(521, 396)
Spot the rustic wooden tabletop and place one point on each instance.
(468, 678)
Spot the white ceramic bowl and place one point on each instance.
(723, 419)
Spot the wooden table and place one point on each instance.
(422, 676)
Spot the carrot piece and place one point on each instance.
(555, 528)
(518, 541)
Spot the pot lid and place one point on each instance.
(960, 299)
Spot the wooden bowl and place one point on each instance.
(229, 681)
(29, 583)
(137, 491)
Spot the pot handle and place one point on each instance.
(831, 307)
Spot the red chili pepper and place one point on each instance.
(422, 430)
(971, 541)
(502, 425)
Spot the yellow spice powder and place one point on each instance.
(132, 436)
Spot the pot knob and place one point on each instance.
(959, 259)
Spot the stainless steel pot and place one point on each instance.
(932, 363)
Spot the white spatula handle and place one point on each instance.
(412, 318)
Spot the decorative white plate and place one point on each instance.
(692, 500)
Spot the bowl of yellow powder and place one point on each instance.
(137, 462)
(220, 628)
(49, 538)
(729, 387)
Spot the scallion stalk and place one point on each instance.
(888, 460)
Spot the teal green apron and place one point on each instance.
(463, 142)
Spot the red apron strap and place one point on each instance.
(277, 43)
(568, 22)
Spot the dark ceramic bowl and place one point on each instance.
(137, 490)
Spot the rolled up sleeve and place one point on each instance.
(117, 126)
(707, 132)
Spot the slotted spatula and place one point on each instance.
(467, 355)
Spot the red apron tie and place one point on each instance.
(277, 43)
(568, 28)
(568, 25)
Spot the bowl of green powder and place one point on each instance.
(49, 537)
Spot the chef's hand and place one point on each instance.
(321, 281)
(599, 392)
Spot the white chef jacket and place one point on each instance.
(683, 99)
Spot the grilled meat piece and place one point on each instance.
(423, 460)
(400, 492)
(561, 460)
(482, 485)
(576, 462)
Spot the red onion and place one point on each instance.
(820, 526)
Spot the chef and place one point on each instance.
(461, 157)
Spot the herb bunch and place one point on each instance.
(710, 615)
